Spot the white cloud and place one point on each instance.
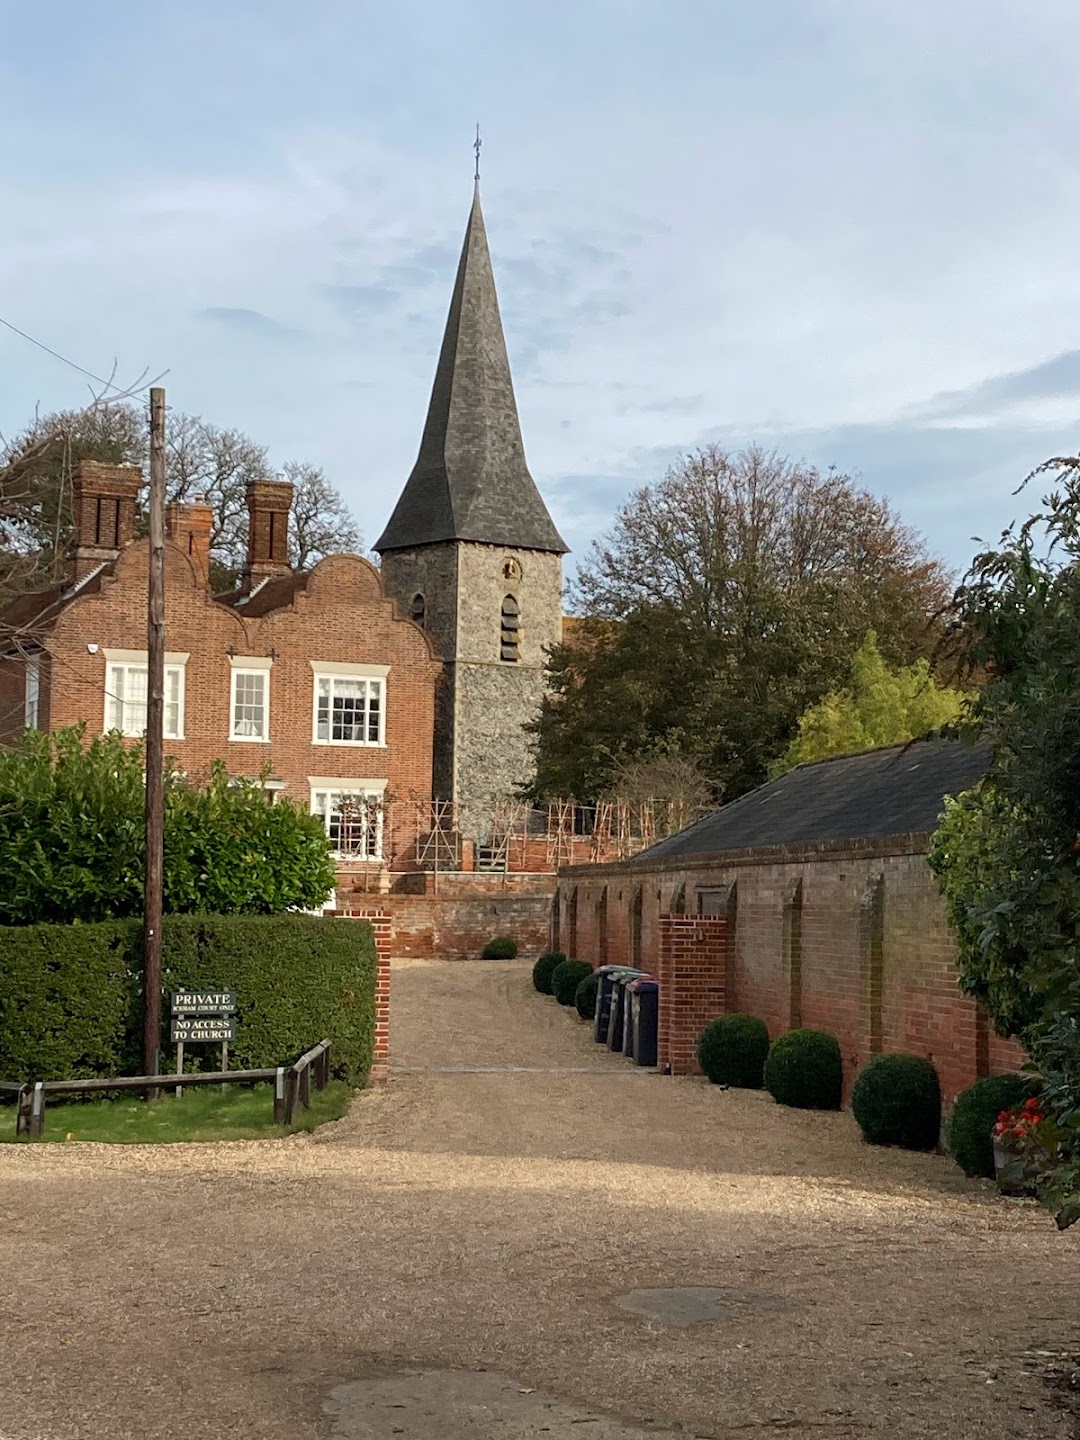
(814, 221)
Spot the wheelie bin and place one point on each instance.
(618, 1011)
(607, 975)
(629, 1042)
(644, 1020)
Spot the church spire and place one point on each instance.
(471, 480)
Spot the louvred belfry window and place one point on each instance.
(511, 623)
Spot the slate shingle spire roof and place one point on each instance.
(470, 480)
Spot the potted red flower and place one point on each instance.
(1020, 1139)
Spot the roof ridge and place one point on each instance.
(901, 745)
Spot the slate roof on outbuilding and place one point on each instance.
(896, 790)
(470, 480)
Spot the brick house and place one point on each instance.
(310, 680)
(808, 901)
(391, 701)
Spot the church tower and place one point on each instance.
(472, 554)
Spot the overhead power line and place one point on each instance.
(98, 379)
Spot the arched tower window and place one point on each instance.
(418, 609)
(511, 625)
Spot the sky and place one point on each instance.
(843, 229)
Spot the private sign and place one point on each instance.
(203, 1002)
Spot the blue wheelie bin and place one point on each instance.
(607, 975)
(618, 1011)
(629, 1042)
(644, 1019)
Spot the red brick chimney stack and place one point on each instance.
(268, 503)
(104, 500)
(189, 524)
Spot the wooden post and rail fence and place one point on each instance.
(292, 1087)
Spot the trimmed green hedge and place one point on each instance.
(501, 947)
(896, 1100)
(585, 996)
(69, 1000)
(70, 1005)
(805, 1070)
(565, 979)
(543, 970)
(731, 1050)
(971, 1124)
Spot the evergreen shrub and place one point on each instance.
(896, 1100)
(542, 970)
(731, 1050)
(72, 837)
(804, 1070)
(585, 995)
(565, 979)
(501, 947)
(970, 1131)
(70, 1002)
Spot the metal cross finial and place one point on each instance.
(476, 148)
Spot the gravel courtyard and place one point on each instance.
(484, 1212)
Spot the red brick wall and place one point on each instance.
(342, 615)
(382, 928)
(12, 697)
(455, 927)
(861, 949)
(472, 883)
(691, 966)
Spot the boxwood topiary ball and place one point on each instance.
(502, 947)
(732, 1049)
(565, 979)
(542, 970)
(897, 1101)
(585, 995)
(970, 1131)
(804, 1069)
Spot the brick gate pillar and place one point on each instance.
(692, 971)
(382, 926)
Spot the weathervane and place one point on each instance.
(476, 150)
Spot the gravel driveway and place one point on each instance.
(464, 1221)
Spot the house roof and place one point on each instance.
(896, 790)
(31, 614)
(470, 480)
(272, 593)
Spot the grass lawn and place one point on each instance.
(244, 1112)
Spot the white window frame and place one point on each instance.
(175, 664)
(338, 670)
(247, 665)
(32, 694)
(336, 787)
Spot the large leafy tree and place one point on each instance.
(72, 838)
(1007, 854)
(725, 599)
(878, 706)
(202, 459)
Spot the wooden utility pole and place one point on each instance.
(155, 743)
